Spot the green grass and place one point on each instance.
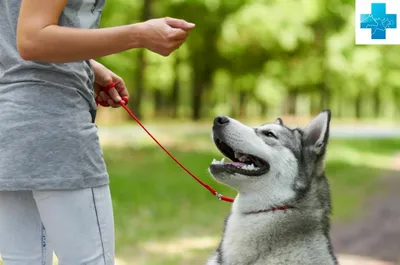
(155, 201)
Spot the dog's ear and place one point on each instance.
(279, 121)
(316, 133)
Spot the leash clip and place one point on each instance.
(219, 196)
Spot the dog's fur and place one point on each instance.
(295, 176)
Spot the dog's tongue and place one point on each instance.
(236, 164)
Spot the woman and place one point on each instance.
(54, 192)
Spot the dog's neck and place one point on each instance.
(274, 209)
(265, 200)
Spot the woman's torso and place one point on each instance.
(46, 111)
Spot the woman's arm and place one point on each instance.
(40, 38)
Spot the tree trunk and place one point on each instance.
(196, 98)
(358, 105)
(263, 110)
(137, 99)
(314, 106)
(396, 101)
(325, 97)
(175, 95)
(242, 104)
(158, 103)
(340, 108)
(233, 106)
(202, 80)
(377, 103)
(291, 103)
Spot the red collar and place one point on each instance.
(281, 208)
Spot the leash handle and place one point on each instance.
(214, 192)
(105, 90)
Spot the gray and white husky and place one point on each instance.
(281, 214)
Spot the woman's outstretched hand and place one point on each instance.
(165, 35)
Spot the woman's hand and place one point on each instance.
(102, 78)
(165, 35)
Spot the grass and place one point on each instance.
(164, 217)
(155, 201)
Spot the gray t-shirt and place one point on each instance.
(48, 139)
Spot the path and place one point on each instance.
(134, 135)
(376, 234)
(337, 131)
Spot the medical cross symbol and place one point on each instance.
(378, 21)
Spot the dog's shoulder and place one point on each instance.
(219, 251)
(213, 259)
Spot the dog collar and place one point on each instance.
(281, 208)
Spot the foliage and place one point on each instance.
(254, 57)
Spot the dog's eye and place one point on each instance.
(270, 134)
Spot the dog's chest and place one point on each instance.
(246, 238)
(257, 240)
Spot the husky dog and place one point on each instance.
(281, 213)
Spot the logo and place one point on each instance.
(376, 22)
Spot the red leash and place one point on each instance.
(214, 192)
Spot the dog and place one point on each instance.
(281, 215)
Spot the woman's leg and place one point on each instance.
(23, 239)
(79, 224)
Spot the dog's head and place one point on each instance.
(272, 162)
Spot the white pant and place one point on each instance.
(77, 224)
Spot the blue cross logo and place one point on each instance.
(378, 21)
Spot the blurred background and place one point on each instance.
(255, 61)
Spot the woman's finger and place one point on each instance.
(122, 91)
(114, 95)
(112, 103)
(104, 97)
(101, 101)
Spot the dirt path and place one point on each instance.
(376, 234)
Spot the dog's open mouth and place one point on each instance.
(244, 164)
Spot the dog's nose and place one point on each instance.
(221, 120)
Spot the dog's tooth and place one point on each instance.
(222, 160)
(251, 167)
(237, 155)
(243, 158)
(214, 161)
